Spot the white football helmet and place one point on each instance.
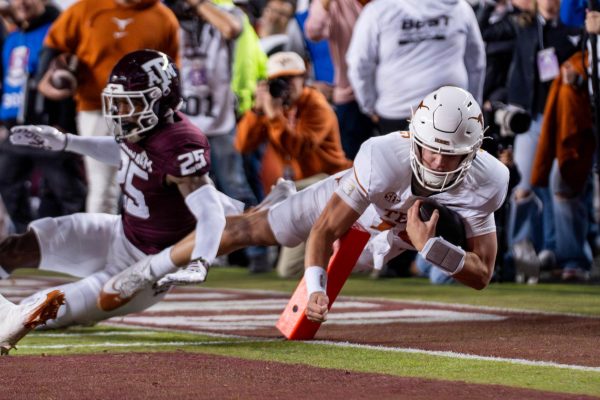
(448, 121)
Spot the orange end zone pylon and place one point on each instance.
(293, 323)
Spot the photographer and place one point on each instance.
(301, 134)
(296, 122)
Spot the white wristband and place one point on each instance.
(316, 279)
(444, 255)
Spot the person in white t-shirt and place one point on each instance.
(439, 157)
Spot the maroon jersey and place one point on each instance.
(155, 215)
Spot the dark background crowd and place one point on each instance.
(287, 88)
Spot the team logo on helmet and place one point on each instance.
(160, 72)
(143, 90)
(449, 122)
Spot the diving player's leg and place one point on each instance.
(81, 302)
(287, 223)
(70, 244)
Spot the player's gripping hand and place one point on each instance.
(38, 136)
(316, 310)
(418, 231)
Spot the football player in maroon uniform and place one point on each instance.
(163, 165)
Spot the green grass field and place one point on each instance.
(560, 298)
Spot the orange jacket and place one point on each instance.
(306, 139)
(566, 132)
(100, 32)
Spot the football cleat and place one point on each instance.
(17, 320)
(121, 288)
(279, 192)
(192, 274)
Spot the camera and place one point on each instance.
(279, 88)
(510, 119)
(181, 9)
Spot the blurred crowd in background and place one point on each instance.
(292, 88)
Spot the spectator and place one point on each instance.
(99, 33)
(301, 132)
(296, 121)
(400, 51)
(249, 67)
(334, 20)
(208, 35)
(62, 188)
(567, 137)
(542, 44)
(278, 30)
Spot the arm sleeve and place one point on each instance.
(102, 148)
(314, 124)
(318, 23)
(362, 60)
(474, 55)
(354, 188)
(206, 206)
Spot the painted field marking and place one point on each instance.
(241, 305)
(135, 344)
(452, 354)
(258, 321)
(446, 354)
(42, 334)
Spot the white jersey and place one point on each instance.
(206, 73)
(381, 178)
(379, 188)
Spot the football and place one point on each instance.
(450, 225)
(64, 72)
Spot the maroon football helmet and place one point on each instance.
(143, 89)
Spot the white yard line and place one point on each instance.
(452, 354)
(107, 345)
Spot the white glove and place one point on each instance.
(38, 136)
(193, 273)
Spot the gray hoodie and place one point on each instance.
(401, 50)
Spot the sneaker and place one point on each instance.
(279, 192)
(527, 263)
(17, 320)
(121, 288)
(193, 273)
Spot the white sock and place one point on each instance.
(3, 273)
(161, 264)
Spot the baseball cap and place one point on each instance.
(285, 63)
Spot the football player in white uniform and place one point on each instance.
(439, 157)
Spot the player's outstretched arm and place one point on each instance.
(103, 148)
(335, 220)
(473, 267)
